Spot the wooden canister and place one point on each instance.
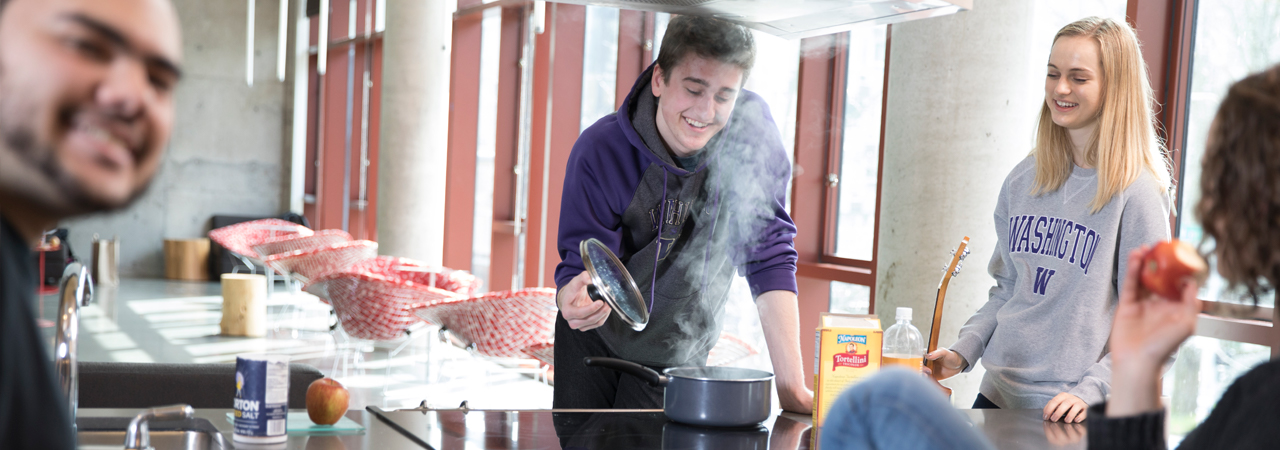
(186, 259)
(244, 305)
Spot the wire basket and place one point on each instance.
(457, 281)
(241, 237)
(499, 324)
(311, 264)
(288, 244)
(374, 306)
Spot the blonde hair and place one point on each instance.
(1124, 143)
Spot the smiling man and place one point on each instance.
(686, 183)
(86, 108)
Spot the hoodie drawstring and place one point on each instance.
(662, 217)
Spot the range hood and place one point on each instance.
(794, 19)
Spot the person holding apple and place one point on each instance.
(1095, 186)
(1239, 207)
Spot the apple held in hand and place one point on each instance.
(1168, 264)
(326, 401)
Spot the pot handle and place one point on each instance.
(644, 373)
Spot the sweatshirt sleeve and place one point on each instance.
(1140, 432)
(1145, 221)
(587, 208)
(975, 333)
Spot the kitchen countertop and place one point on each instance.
(613, 429)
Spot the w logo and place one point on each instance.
(1042, 279)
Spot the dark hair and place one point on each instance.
(1240, 185)
(709, 38)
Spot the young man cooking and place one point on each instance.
(685, 184)
(86, 107)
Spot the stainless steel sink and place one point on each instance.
(100, 433)
(160, 440)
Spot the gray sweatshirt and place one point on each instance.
(1044, 328)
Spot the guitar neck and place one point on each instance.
(952, 269)
(937, 318)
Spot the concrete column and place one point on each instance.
(415, 128)
(963, 95)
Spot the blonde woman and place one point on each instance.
(1095, 187)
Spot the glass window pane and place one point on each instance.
(660, 21)
(599, 64)
(1233, 38)
(1203, 370)
(776, 77)
(486, 134)
(849, 298)
(860, 154)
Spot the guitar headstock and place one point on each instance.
(958, 254)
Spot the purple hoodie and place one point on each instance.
(680, 233)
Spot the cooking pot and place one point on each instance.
(705, 396)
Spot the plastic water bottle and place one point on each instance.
(903, 345)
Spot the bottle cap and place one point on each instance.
(904, 313)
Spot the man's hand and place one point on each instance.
(1146, 330)
(799, 401)
(576, 306)
(1066, 407)
(950, 363)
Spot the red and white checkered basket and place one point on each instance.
(313, 263)
(544, 352)
(458, 281)
(729, 349)
(241, 237)
(376, 306)
(500, 324)
(288, 244)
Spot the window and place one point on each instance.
(599, 64)
(860, 156)
(847, 298)
(776, 77)
(1232, 39)
(486, 144)
(1203, 370)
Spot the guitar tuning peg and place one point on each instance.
(959, 266)
(953, 252)
(966, 253)
(955, 273)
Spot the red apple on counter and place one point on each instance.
(1167, 265)
(326, 401)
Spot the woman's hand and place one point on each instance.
(1147, 329)
(576, 306)
(1066, 407)
(950, 363)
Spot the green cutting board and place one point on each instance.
(300, 423)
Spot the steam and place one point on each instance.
(748, 173)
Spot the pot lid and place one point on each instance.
(611, 282)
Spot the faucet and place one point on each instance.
(138, 435)
(76, 291)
